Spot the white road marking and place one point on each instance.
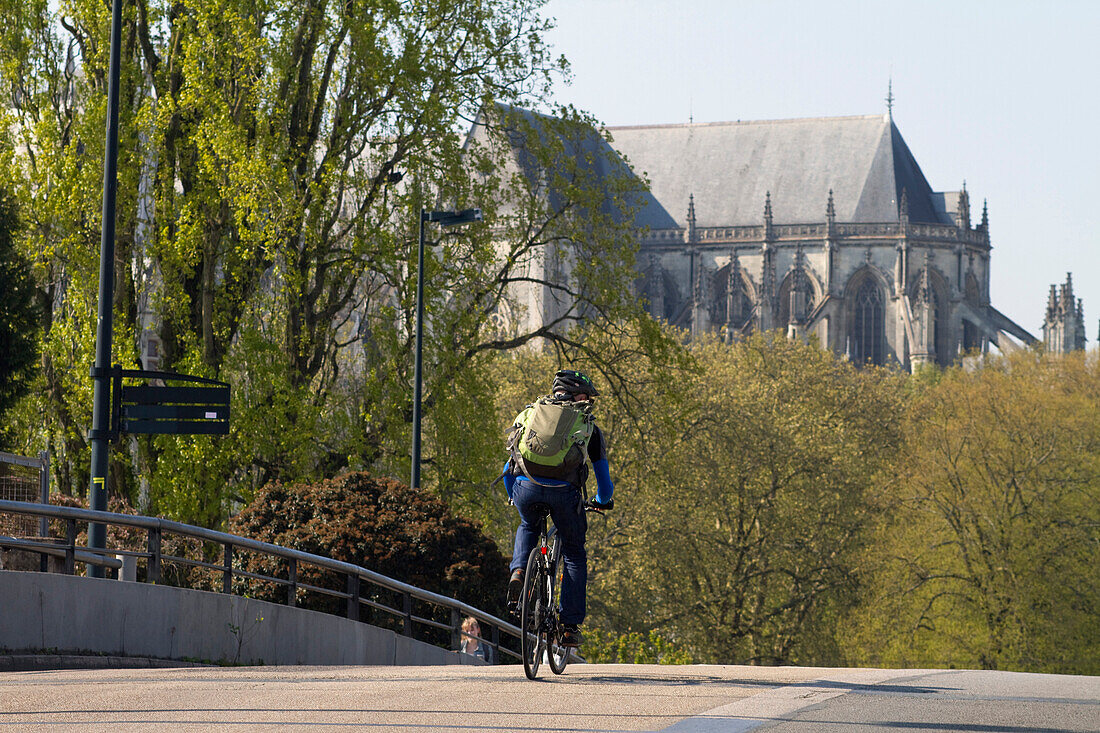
(774, 703)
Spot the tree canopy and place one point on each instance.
(19, 314)
(986, 550)
(274, 161)
(748, 497)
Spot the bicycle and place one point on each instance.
(540, 603)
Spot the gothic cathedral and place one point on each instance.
(822, 226)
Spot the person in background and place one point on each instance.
(470, 644)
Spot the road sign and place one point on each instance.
(169, 410)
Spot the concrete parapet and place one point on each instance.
(71, 614)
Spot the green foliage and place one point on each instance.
(19, 313)
(634, 648)
(744, 489)
(263, 239)
(985, 550)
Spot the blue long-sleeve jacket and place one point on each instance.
(597, 453)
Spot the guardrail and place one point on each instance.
(156, 529)
(21, 488)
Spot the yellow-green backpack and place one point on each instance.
(549, 439)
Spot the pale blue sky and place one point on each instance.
(1003, 94)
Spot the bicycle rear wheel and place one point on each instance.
(532, 609)
(557, 654)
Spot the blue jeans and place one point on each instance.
(569, 518)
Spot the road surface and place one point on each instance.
(587, 698)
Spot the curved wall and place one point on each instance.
(65, 613)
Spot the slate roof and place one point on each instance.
(730, 166)
(588, 151)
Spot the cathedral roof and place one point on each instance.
(730, 167)
(580, 150)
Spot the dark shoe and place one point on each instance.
(570, 635)
(515, 589)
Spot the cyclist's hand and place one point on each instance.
(598, 506)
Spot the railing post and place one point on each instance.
(353, 596)
(496, 644)
(44, 490)
(227, 573)
(153, 570)
(70, 548)
(456, 623)
(292, 576)
(408, 609)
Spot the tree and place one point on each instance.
(985, 555)
(634, 648)
(379, 524)
(19, 314)
(264, 237)
(745, 502)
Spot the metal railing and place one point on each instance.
(356, 577)
(15, 487)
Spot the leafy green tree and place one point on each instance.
(264, 237)
(634, 648)
(54, 121)
(985, 555)
(19, 316)
(745, 502)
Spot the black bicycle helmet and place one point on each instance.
(572, 382)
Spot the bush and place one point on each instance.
(377, 523)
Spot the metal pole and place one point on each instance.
(44, 491)
(101, 395)
(415, 482)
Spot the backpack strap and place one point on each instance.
(519, 462)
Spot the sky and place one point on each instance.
(1001, 94)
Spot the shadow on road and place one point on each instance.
(727, 681)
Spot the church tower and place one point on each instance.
(1064, 325)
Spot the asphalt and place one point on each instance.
(587, 698)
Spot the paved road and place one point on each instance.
(694, 699)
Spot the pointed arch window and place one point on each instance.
(736, 311)
(868, 335)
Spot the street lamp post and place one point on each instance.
(444, 219)
(101, 405)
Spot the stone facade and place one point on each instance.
(882, 292)
(887, 271)
(822, 227)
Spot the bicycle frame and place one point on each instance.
(540, 606)
(540, 626)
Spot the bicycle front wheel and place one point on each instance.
(533, 606)
(557, 654)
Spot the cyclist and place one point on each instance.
(564, 497)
